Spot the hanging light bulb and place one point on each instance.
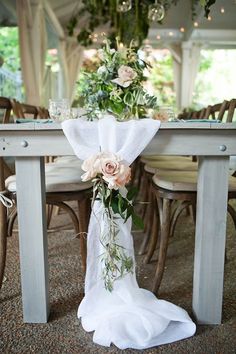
(123, 5)
(156, 12)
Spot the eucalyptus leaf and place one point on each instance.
(138, 222)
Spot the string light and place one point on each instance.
(195, 24)
(222, 10)
(209, 18)
(171, 34)
(158, 37)
(182, 29)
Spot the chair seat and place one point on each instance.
(153, 158)
(67, 159)
(155, 166)
(60, 177)
(183, 181)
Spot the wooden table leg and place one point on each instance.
(210, 239)
(30, 179)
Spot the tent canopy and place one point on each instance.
(40, 18)
(217, 33)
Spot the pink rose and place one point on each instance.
(126, 76)
(115, 172)
(92, 167)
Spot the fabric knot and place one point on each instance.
(8, 203)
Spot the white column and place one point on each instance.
(190, 63)
(30, 181)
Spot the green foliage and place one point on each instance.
(131, 25)
(161, 78)
(116, 262)
(116, 86)
(9, 48)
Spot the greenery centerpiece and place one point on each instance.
(117, 85)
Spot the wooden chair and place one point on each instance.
(61, 188)
(174, 191)
(169, 189)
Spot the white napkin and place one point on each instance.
(129, 317)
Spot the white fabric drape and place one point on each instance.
(71, 58)
(129, 317)
(33, 43)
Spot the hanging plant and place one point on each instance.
(132, 24)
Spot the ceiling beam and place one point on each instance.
(55, 22)
(190, 24)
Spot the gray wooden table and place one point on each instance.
(212, 142)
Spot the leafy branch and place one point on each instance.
(116, 262)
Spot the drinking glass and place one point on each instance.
(74, 113)
(59, 109)
(167, 113)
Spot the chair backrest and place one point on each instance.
(216, 111)
(23, 110)
(5, 108)
(231, 111)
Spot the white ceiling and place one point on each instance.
(221, 29)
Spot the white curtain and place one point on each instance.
(71, 58)
(33, 44)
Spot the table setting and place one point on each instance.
(108, 136)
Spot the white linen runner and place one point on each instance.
(129, 317)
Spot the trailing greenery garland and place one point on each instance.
(101, 12)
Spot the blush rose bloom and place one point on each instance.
(92, 167)
(126, 76)
(115, 172)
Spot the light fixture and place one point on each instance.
(156, 12)
(182, 29)
(209, 18)
(222, 10)
(171, 34)
(195, 24)
(123, 5)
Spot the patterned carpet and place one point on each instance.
(63, 333)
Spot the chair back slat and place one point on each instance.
(224, 106)
(5, 105)
(231, 110)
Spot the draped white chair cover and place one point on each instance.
(129, 317)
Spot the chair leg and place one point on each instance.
(184, 205)
(49, 210)
(84, 210)
(154, 237)
(11, 221)
(3, 240)
(144, 194)
(147, 221)
(165, 233)
(232, 212)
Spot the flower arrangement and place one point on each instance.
(117, 85)
(109, 173)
